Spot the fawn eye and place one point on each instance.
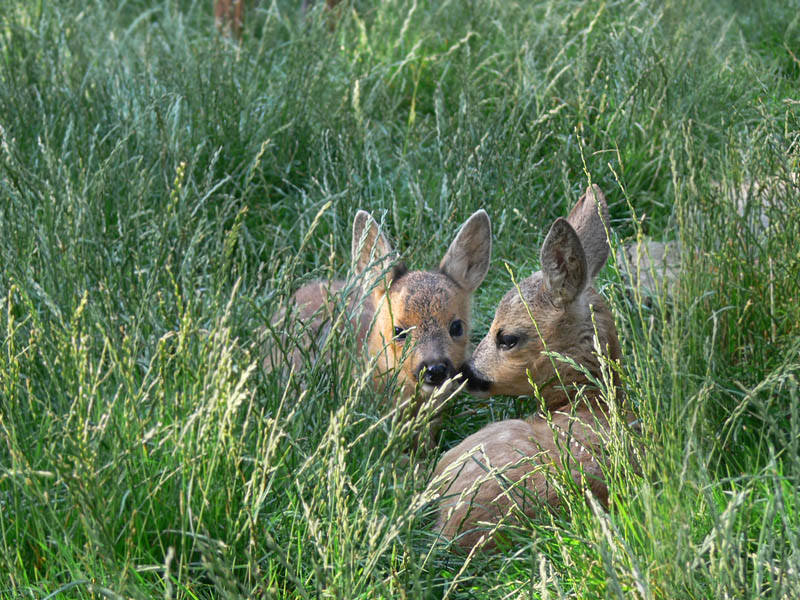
(400, 333)
(457, 328)
(506, 341)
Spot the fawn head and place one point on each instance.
(422, 318)
(553, 310)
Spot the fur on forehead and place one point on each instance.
(424, 291)
(528, 290)
(538, 300)
(517, 305)
(512, 309)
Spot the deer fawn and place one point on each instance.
(430, 310)
(506, 467)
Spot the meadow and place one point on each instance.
(164, 189)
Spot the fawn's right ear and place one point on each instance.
(467, 259)
(589, 218)
(564, 263)
(372, 253)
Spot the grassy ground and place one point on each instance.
(163, 190)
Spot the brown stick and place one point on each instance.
(229, 15)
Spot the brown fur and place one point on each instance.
(507, 469)
(422, 305)
(229, 14)
(478, 477)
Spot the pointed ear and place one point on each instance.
(467, 259)
(372, 253)
(564, 263)
(589, 218)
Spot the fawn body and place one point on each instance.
(393, 306)
(507, 466)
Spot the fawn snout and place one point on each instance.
(476, 383)
(435, 372)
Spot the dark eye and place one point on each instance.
(506, 341)
(457, 328)
(400, 333)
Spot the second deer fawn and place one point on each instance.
(506, 468)
(413, 323)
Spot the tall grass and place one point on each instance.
(163, 190)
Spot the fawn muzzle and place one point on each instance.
(475, 381)
(434, 372)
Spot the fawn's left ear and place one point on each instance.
(372, 252)
(467, 259)
(564, 263)
(589, 218)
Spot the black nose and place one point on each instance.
(433, 373)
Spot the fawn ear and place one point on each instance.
(467, 259)
(564, 263)
(372, 253)
(589, 218)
